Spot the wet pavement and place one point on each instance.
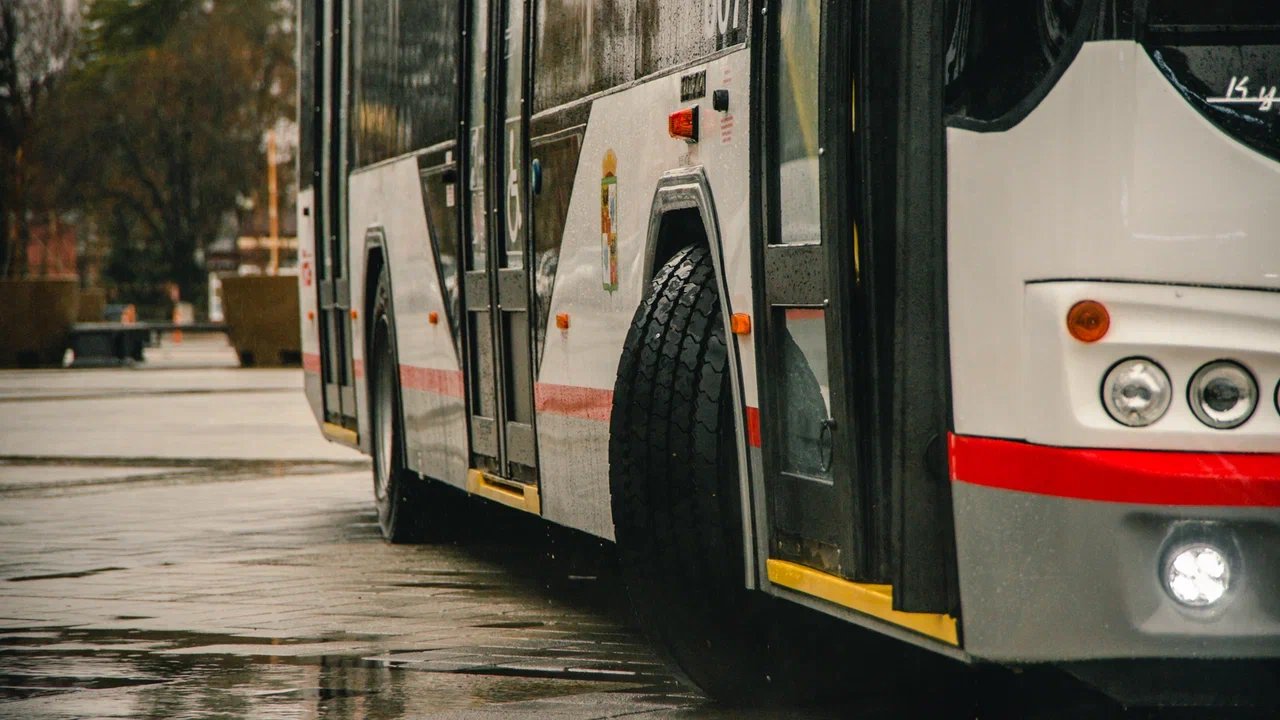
(181, 543)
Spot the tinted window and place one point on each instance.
(1003, 58)
(586, 46)
(677, 31)
(308, 126)
(405, 75)
(1224, 58)
(582, 47)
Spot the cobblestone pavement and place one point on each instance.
(181, 543)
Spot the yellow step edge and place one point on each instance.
(337, 432)
(512, 494)
(873, 600)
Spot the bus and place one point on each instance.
(955, 321)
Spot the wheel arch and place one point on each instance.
(684, 206)
(375, 239)
(375, 259)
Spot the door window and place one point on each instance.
(798, 146)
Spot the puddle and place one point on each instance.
(64, 575)
(54, 682)
(41, 475)
(71, 673)
(444, 585)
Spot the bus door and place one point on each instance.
(809, 435)
(496, 284)
(333, 282)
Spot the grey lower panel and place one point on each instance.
(436, 435)
(484, 435)
(1046, 578)
(314, 390)
(521, 446)
(574, 481)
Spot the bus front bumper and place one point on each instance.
(1063, 553)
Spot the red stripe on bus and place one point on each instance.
(804, 314)
(753, 426)
(311, 363)
(574, 401)
(440, 382)
(1143, 477)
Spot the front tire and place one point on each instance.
(674, 478)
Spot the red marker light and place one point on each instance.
(683, 124)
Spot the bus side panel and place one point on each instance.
(574, 393)
(387, 200)
(308, 302)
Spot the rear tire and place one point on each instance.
(411, 509)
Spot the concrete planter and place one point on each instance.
(93, 304)
(35, 316)
(261, 314)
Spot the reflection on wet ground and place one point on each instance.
(307, 616)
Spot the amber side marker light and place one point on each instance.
(433, 318)
(562, 321)
(1088, 321)
(740, 323)
(683, 124)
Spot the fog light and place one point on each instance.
(1136, 392)
(1198, 576)
(1222, 394)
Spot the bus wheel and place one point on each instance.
(410, 508)
(678, 522)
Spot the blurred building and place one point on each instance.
(51, 250)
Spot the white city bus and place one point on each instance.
(958, 321)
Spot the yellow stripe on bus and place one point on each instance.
(512, 494)
(341, 434)
(873, 600)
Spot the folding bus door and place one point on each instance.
(333, 278)
(497, 288)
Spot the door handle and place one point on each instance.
(827, 449)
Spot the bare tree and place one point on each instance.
(37, 41)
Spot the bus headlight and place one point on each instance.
(1136, 392)
(1198, 575)
(1223, 394)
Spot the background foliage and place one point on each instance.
(154, 127)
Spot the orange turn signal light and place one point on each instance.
(433, 318)
(1088, 321)
(562, 321)
(353, 314)
(311, 315)
(740, 323)
(683, 124)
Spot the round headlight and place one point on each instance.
(1222, 394)
(1136, 392)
